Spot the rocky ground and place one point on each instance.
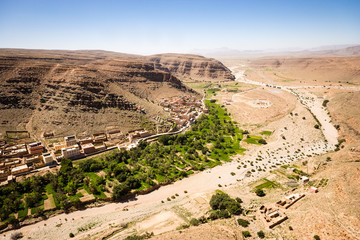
(332, 213)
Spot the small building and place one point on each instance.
(20, 170)
(88, 148)
(99, 137)
(48, 158)
(144, 133)
(303, 179)
(100, 148)
(85, 140)
(35, 148)
(11, 178)
(59, 146)
(35, 158)
(70, 141)
(313, 189)
(70, 152)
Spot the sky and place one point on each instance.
(157, 26)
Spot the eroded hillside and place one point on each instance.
(72, 92)
(194, 68)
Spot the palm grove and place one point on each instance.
(211, 141)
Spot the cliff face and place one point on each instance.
(72, 92)
(193, 68)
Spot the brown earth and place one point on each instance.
(305, 71)
(71, 92)
(333, 213)
(194, 68)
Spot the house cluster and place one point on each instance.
(276, 214)
(20, 159)
(288, 201)
(272, 216)
(73, 147)
(138, 134)
(183, 109)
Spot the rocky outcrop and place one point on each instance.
(192, 68)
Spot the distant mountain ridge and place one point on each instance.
(325, 51)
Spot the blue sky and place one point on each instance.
(154, 26)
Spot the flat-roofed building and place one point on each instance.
(59, 146)
(48, 158)
(70, 152)
(20, 169)
(100, 148)
(70, 140)
(85, 140)
(99, 137)
(35, 148)
(33, 159)
(88, 148)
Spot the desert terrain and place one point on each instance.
(288, 111)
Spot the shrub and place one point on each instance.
(262, 141)
(246, 234)
(261, 234)
(325, 102)
(213, 216)
(120, 190)
(223, 214)
(260, 192)
(316, 126)
(238, 200)
(243, 222)
(71, 235)
(223, 201)
(194, 222)
(316, 237)
(290, 228)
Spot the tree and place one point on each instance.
(260, 192)
(261, 234)
(262, 141)
(133, 182)
(246, 234)
(66, 165)
(316, 237)
(194, 222)
(120, 190)
(243, 222)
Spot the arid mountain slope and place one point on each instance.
(78, 91)
(193, 68)
(311, 70)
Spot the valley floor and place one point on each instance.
(292, 139)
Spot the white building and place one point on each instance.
(20, 169)
(70, 152)
(48, 158)
(70, 140)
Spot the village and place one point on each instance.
(20, 159)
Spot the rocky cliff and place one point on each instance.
(193, 68)
(81, 91)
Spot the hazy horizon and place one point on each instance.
(148, 27)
